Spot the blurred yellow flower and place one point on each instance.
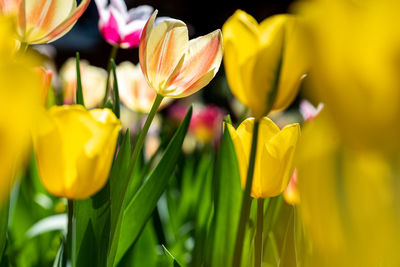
(355, 66)
(174, 66)
(264, 62)
(93, 80)
(74, 149)
(43, 21)
(19, 92)
(349, 200)
(274, 159)
(134, 91)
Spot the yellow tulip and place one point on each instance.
(134, 90)
(263, 62)
(174, 66)
(274, 158)
(354, 67)
(43, 21)
(74, 149)
(19, 92)
(349, 199)
(92, 78)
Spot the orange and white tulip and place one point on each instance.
(43, 21)
(134, 91)
(174, 66)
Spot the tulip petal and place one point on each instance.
(241, 42)
(294, 65)
(200, 64)
(241, 155)
(282, 147)
(64, 26)
(166, 45)
(143, 43)
(266, 66)
(48, 143)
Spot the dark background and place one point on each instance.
(202, 17)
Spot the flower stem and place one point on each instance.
(113, 55)
(259, 233)
(144, 131)
(246, 203)
(23, 47)
(68, 245)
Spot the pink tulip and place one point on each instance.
(120, 27)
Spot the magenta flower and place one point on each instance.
(120, 27)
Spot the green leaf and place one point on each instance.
(145, 200)
(4, 210)
(79, 92)
(174, 261)
(227, 200)
(92, 229)
(116, 91)
(58, 262)
(119, 176)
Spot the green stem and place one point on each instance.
(143, 132)
(113, 55)
(136, 152)
(246, 203)
(68, 245)
(23, 48)
(258, 241)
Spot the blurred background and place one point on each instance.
(201, 17)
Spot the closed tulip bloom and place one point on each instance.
(274, 158)
(174, 66)
(263, 62)
(74, 149)
(121, 27)
(43, 21)
(134, 91)
(92, 78)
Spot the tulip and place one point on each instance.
(134, 91)
(206, 123)
(274, 158)
(74, 149)
(308, 111)
(19, 91)
(120, 27)
(354, 70)
(43, 21)
(264, 63)
(92, 78)
(174, 66)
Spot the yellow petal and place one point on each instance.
(294, 64)
(74, 149)
(241, 43)
(242, 158)
(266, 65)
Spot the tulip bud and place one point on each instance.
(274, 158)
(74, 149)
(264, 63)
